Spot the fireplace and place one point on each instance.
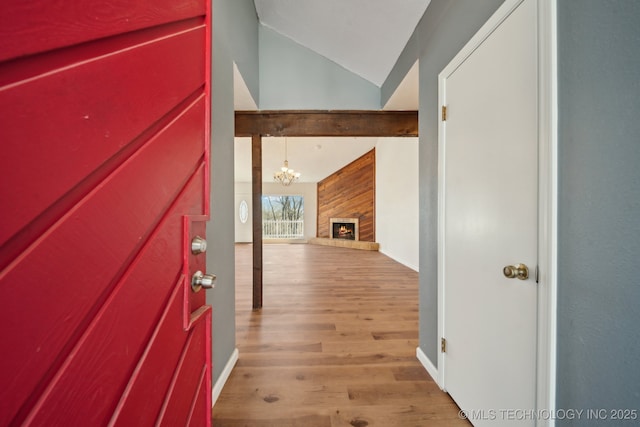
(344, 228)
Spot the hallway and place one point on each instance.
(334, 345)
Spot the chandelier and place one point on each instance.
(286, 176)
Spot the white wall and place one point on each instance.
(244, 232)
(397, 199)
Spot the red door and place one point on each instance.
(104, 171)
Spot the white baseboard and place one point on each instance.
(424, 360)
(224, 376)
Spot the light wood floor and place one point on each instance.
(334, 345)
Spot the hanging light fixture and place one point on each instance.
(286, 176)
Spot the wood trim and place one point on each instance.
(327, 123)
(256, 167)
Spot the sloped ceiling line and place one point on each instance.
(365, 37)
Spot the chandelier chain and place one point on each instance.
(286, 176)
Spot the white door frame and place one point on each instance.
(547, 206)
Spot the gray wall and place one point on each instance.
(444, 29)
(294, 77)
(236, 27)
(599, 205)
(230, 16)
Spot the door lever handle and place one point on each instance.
(518, 271)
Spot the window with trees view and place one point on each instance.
(282, 217)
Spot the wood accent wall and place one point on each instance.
(350, 193)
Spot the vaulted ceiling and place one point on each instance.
(365, 37)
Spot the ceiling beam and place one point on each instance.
(333, 123)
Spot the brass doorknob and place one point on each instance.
(518, 271)
(201, 280)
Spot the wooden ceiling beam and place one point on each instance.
(327, 123)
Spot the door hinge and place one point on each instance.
(444, 113)
(443, 345)
(537, 274)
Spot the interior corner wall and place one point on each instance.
(350, 193)
(444, 29)
(397, 199)
(293, 77)
(598, 299)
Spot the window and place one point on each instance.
(282, 217)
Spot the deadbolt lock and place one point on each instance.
(198, 245)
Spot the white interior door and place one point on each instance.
(489, 219)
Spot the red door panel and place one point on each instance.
(39, 25)
(108, 105)
(150, 389)
(182, 394)
(200, 403)
(102, 357)
(104, 125)
(127, 205)
(144, 395)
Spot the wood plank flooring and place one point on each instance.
(334, 344)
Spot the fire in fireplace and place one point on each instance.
(344, 228)
(344, 231)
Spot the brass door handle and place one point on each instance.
(518, 271)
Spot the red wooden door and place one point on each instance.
(104, 171)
